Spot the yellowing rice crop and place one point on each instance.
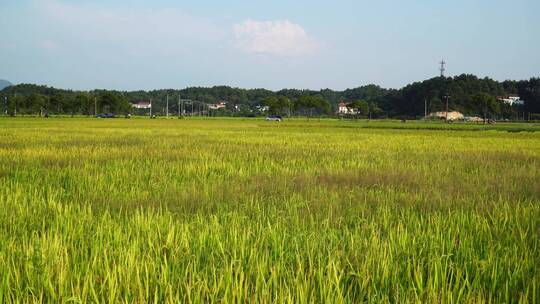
(251, 211)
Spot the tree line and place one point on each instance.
(464, 93)
(43, 101)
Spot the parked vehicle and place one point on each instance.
(105, 115)
(274, 118)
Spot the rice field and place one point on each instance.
(236, 211)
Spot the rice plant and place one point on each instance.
(231, 210)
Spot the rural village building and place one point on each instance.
(217, 106)
(511, 100)
(263, 108)
(142, 105)
(344, 109)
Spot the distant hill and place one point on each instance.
(4, 84)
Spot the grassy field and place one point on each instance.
(251, 211)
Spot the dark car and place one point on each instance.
(105, 115)
(274, 118)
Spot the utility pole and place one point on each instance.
(485, 111)
(167, 111)
(150, 107)
(5, 105)
(288, 107)
(95, 106)
(425, 108)
(183, 110)
(178, 106)
(446, 97)
(442, 69)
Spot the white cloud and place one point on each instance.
(281, 37)
(132, 28)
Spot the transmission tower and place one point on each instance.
(442, 68)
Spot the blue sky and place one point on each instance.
(275, 44)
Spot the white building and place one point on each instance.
(344, 109)
(217, 106)
(263, 108)
(511, 100)
(142, 105)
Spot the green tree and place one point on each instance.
(85, 102)
(57, 103)
(114, 102)
(435, 104)
(284, 104)
(486, 105)
(529, 91)
(271, 102)
(14, 103)
(361, 106)
(374, 110)
(71, 105)
(310, 104)
(277, 104)
(36, 103)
